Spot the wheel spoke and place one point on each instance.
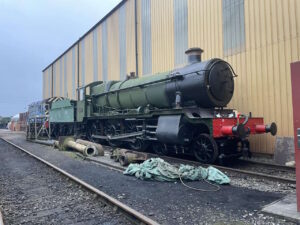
(205, 149)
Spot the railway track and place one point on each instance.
(258, 170)
(247, 170)
(131, 215)
(266, 168)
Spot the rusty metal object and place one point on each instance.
(69, 142)
(125, 156)
(56, 144)
(98, 146)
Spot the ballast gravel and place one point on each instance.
(32, 193)
(167, 203)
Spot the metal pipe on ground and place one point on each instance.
(98, 146)
(125, 156)
(69, 142)
(44, 142)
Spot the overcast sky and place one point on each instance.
(32, 34)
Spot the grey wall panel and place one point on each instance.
(104, 52)
(226, 24)
(241, 20)
(146, 36)
(60, 77)
(65, 77)
(73, 74)
(233, 26)
(82, 61)
(122, 42)
(49, 82)
(54, 81)
(180, 31)
(95, 54)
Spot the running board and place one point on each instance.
(118, 137)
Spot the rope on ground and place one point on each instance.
(199, 189)
(158, 169)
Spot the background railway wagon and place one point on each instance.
(258, 38)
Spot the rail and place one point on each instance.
(132, 214)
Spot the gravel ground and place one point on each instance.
(242, 180)
(31, 193)
(168, 203)
(266, 169)
(255, 183)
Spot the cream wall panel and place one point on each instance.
(74, 75)
(139, 37)
(47, 83)
(205, 27)
(162, 28)
(88, 53)
(64, 72)
(61, 76)
(82, 63)
(95, 54)
(263, 82)
(113, 46)
(68, 64)
(44, 84)
(263, 86)
(56, 79)
(269, 51)
(99, 36)
(122, 42)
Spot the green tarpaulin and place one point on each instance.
(158, 169)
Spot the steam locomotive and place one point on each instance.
(176, 112)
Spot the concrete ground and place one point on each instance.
(285, 208)
(165, 202)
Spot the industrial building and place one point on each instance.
(259, 38)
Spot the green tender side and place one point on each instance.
(134, 97)
(80, 110)
(62, 112)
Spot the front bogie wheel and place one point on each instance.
(205, 149)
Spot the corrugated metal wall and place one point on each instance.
(146, 36)
(99, 52)
(104, 52)
(47, 83)
(113, 47)
(130, 37)
(180, 31)
(162, 28)
(259, 38)
(44, 84)
(265, 84)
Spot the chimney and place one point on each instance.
(194, 55)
